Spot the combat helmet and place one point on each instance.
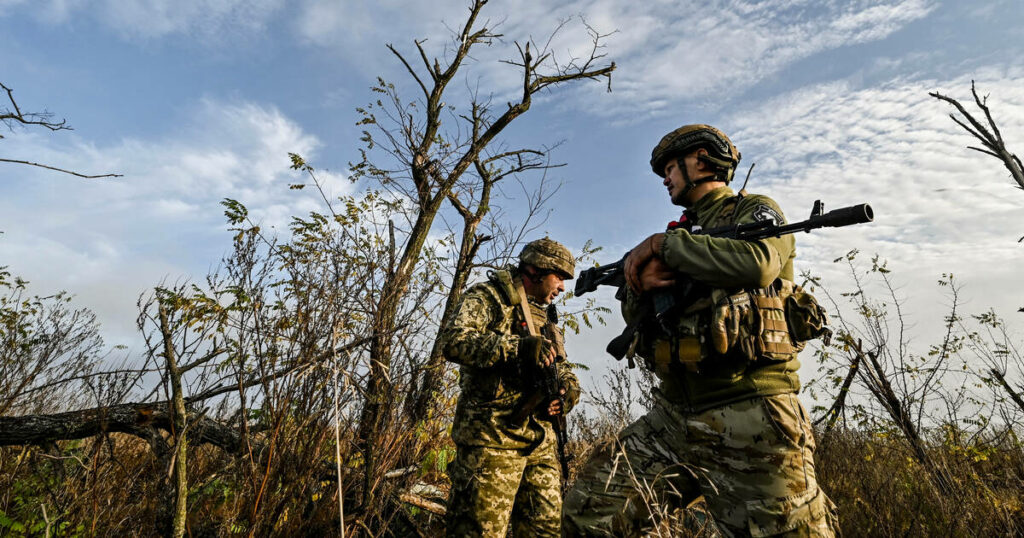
(550, 255)
(722, 154)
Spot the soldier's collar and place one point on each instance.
(711, 198)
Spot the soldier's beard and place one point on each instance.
(543, 301)
(680, 197)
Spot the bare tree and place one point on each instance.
(239, 356)
(995, 347)
(44, 345)
(987, 133)
(11, 116)
(426, 161)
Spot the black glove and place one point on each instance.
(533, 351)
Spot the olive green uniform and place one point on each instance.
(503, 468)
(726, 421)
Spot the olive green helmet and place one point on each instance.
(550, 255)
(721, 153)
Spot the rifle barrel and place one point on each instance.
(844, 216)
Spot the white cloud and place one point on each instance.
(109, 240)
(939, 207)
(667, 52)
(733, 45)
(149, 19)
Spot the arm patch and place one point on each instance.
(764, 212)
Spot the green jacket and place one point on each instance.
(483, 339)
(727, 267)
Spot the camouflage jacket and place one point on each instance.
(726, 267)
(483, 339)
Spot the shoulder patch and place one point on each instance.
(765, 212)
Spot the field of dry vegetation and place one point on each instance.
(910, 445)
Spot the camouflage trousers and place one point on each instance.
(751, 460)
(492, 485)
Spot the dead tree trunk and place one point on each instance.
(138, 419)
(434, 168)
(178, 422)
(873, 375)
(424, 398)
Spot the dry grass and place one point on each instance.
(111, 486)
(881, 490)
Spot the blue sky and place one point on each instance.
(197, 100)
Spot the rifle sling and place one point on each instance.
(524, 308)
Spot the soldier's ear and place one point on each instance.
(702, 163)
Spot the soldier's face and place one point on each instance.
(674, 181)
(546, 289)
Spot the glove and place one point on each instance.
(571, 396)
(532, 352)
(731, 324)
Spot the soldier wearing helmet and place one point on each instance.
(708, 146)
(506, 468)
(726, 423)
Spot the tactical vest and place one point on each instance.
(731, 344)
(483, 416)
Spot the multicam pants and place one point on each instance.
(752, 460)
(490, 485)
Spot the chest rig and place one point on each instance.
(737, 327)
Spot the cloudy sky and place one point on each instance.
(197, 100)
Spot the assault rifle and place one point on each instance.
(664, 301)
(543, 387)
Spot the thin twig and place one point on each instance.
(48, 167)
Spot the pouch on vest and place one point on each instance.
(687, 346)
(771, 337)
(734, 324)
(807, 319)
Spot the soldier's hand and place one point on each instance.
(656, 274)
(555, 407)
(550, 355)
(638, 257)
(536, 350)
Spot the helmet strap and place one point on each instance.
(723, 169)
(690, 184)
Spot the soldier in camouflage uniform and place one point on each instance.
(506, 464)
(726, 423)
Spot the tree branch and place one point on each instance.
(992, 140)
(1009, 390)
(409, 68)
(59, 169)
(41, 119)
(252, 382)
